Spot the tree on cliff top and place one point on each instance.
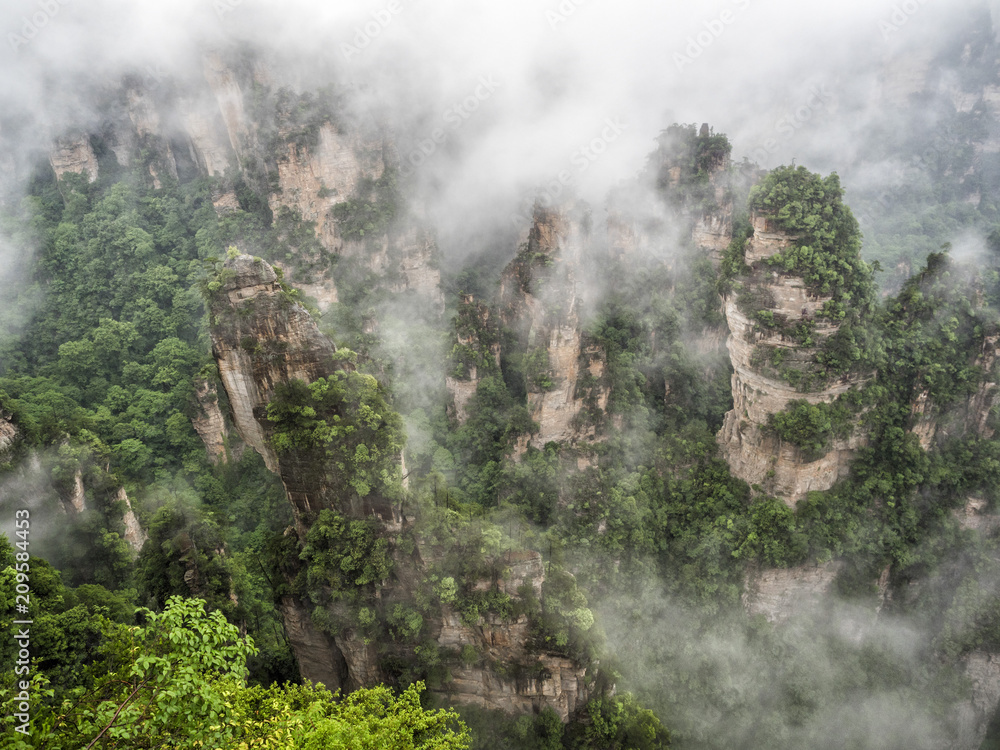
(827, 248)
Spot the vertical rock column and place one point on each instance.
(541, 301)
(754, 452)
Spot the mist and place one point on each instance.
(491, 107)
(528, 95)
(831, 675)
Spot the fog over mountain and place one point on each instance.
(508, 348)
(784, 80)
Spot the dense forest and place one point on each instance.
(712, 464)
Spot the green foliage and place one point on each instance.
(538, 371)
(826, 251)
(184, 556)
(476, 338)
(811, 427)
(696, 155)
(179, 681)
(115, 347)
(620, 723)
(496, 730)
(301, 116)
(345, 559)
(166, 685)
(344, 418)
(371, 210)
(375, 718)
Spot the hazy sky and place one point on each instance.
(520, 87)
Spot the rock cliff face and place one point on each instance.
(754, 453)
(210, 148)
(8, 436)
(972, 416)
(73, 153)
(209, 422)
(777, 593)
(475, 354)
(261, 338)
(135, 535)
(982, 670)
(540, 299)
(232, 119)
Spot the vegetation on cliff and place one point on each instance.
(826, 249)
(101, 386)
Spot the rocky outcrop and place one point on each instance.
(135, 535)
(975, 515)
(313, 180)
(418, 267)
(225, 86)
(540, 299)
(778, 593)
(693, 173)
(210, 148)
(209, 422)
(145, 120)
(75, 497)
(8, 436)
(973, 416)
(753, 451)
(531, 681)
(320, 661)
(73, 153)
(262, 338)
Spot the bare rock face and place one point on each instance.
(418, 267)
(535, 681)
(777, 593)
(135, 535)
(320, 661)
(260, 338)
(541, 300)
(209, 422)
(78, 499)
(73, 153)
(976, 516)
(754, 453)
(229, 97)
(8, 435)
(312, 181)
(74, 498)
(210, 147)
